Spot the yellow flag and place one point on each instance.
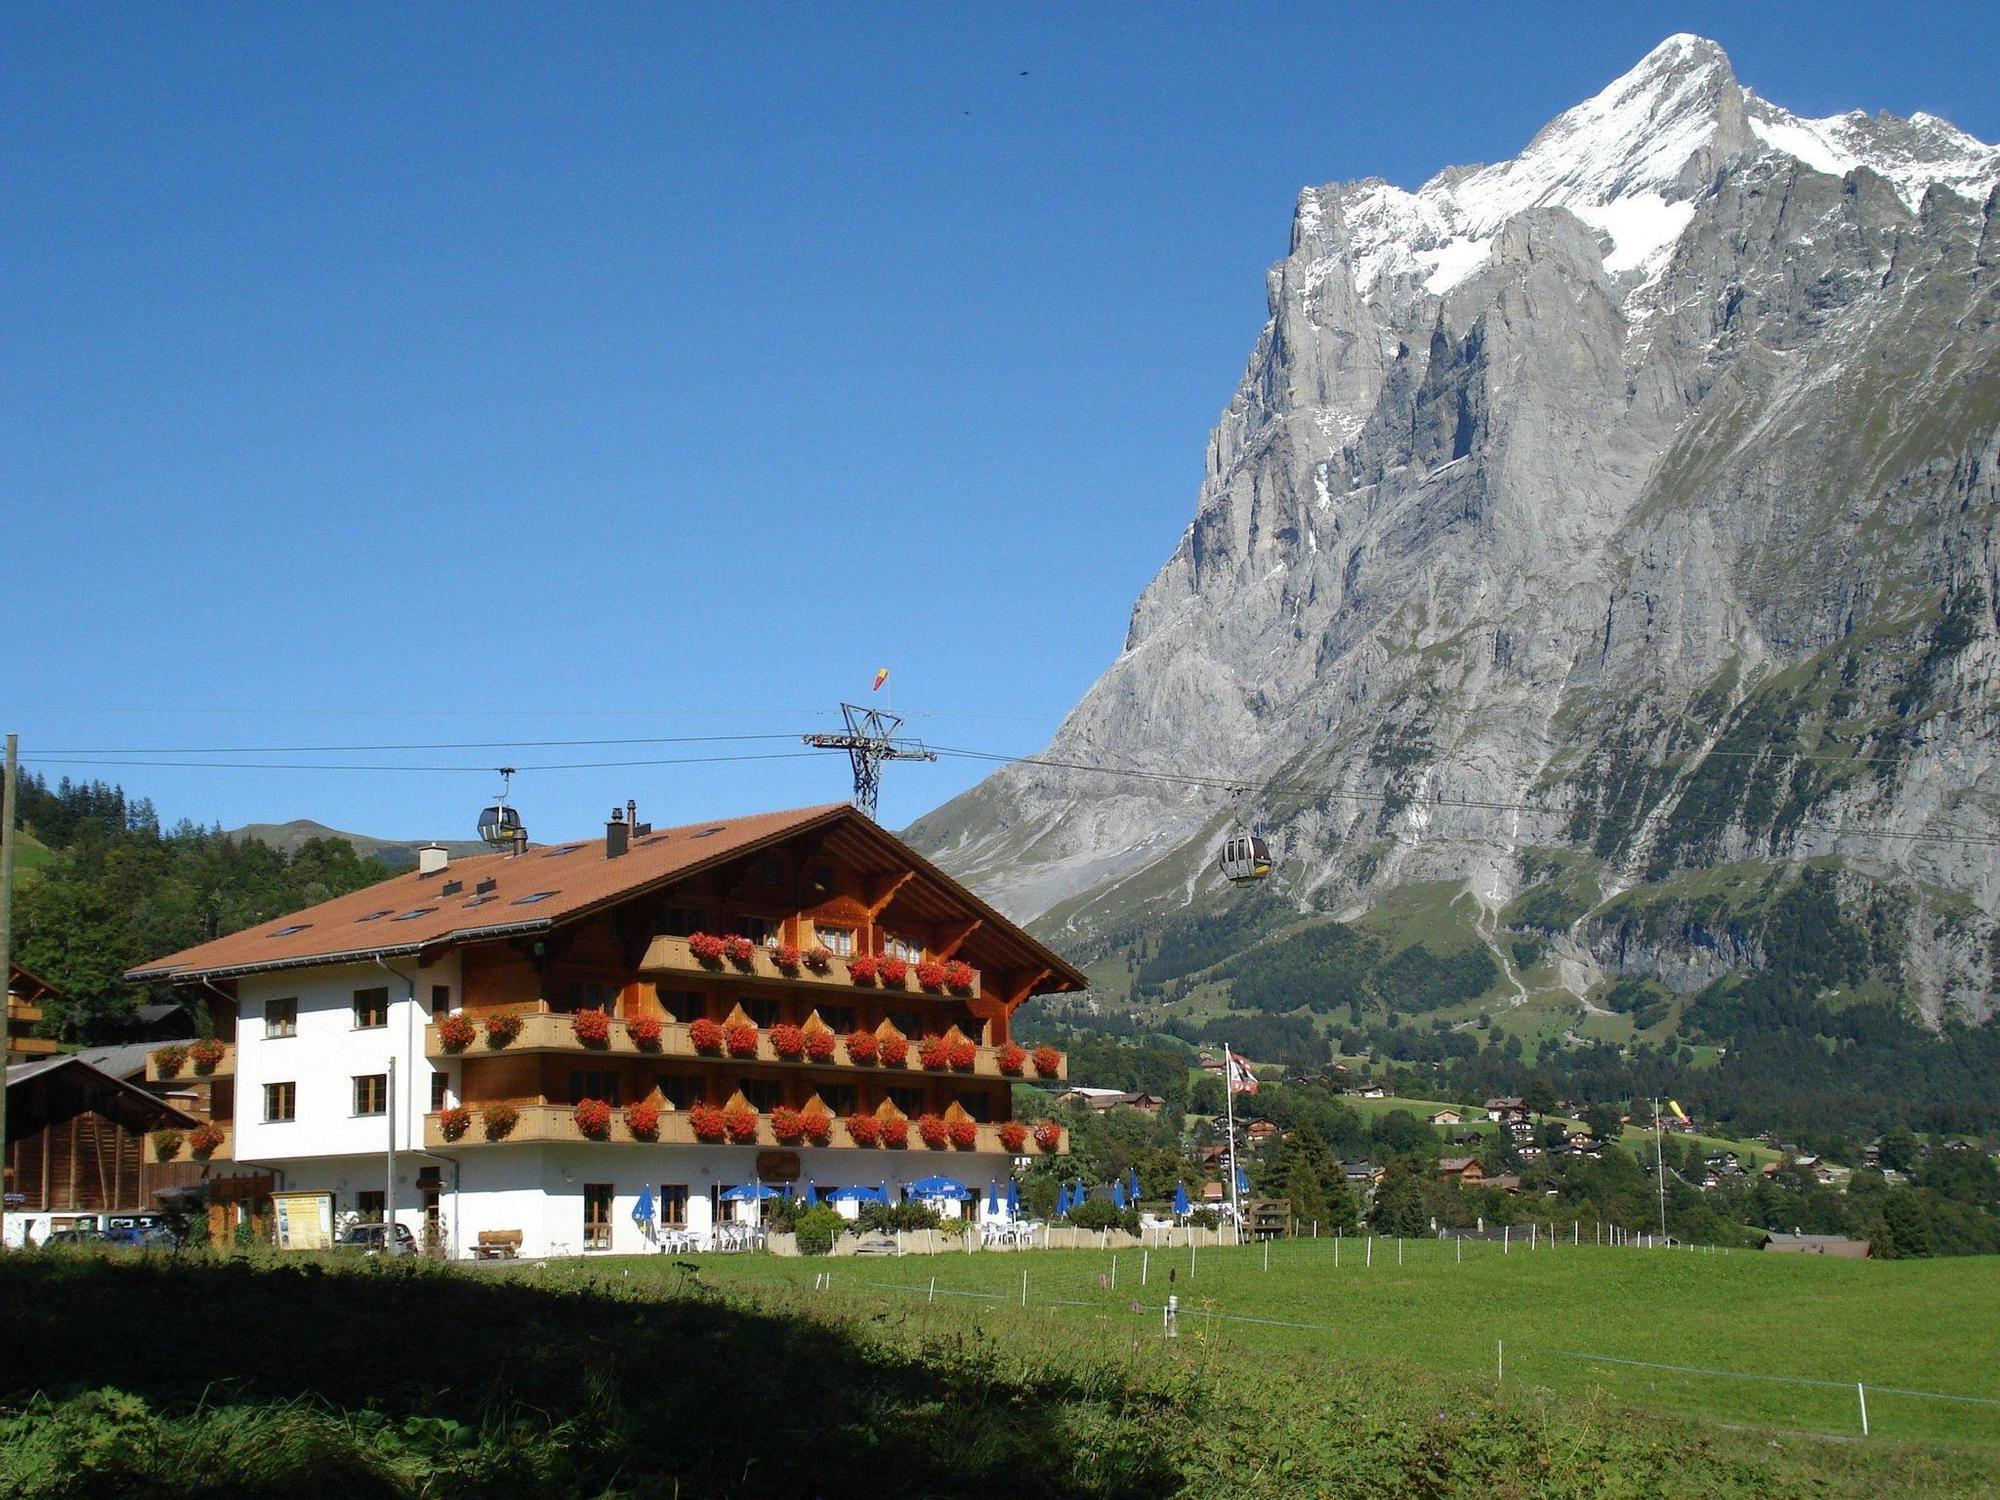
(1679, 1113)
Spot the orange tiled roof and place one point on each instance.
(548, 885)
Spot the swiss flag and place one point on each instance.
(1241, 1079)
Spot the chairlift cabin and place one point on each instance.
(1246, 858)
(499, 824)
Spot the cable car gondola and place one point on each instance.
(1246, 858)
(500, 825)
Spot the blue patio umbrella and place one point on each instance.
(1118, 1193)
(1013, 1199)
(750, 1192)
(1180, 1198)
(1062, 1202)
(812, 1195)
(939, 1187)
(1242, 1181)
(992, 1200)
(1133, 1191)
(858, 1195)
(642, 1211)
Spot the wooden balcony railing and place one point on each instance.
(557, 1033)
(224, 1152)
(545, 1124)
(188, 1072)
(671, 955)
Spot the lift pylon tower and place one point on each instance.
(870, 740)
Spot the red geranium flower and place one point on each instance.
(592, 1027)
(207, 1055)
(643, 1120)
(819, 1127)
(930, 974)
(895, 1131)
(705, 1035)
(1013, 1136)
(170, 1059)
(932, 1129)
(1048, 1135)
(500, 1030)
(593, 1118)
(706, 947)
(786, 957)
(166, 1144)
(707, 1122)
(787, 1040)
(819, 958)
(1012, 1060)
(894, 1049)
(741, 951)
(645, 1032)
(1048, 1061)
(964, 1134)
(741, 1124)
(819, 1045)
(456, 1032)
(934, 1052)
(861, 1047)
(204, 1141)
(863, 1130)
(741, 1039)
(959, 976)
(894, 970)
(964, 1055)
(500, 1119)
(454, 1122)
(861, 969)
(787, 1124)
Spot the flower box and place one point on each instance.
(740, 1037)
(960, 976)
(207, 1055)
(499, 1120)
(706, 947)
(456, 1032)
(819, 1127)
(788, 1041)
(1048, 1135)
(1013, 1136)
(739, 950)
(500, 1030)
(895, 1131)
(894, 971)
(862, 969)
(786, 957)
(894, 1049)
(863, 1130)
(964, 1134)
(645, 1032)
(593, 1118)
(934, 1053)
(167, 1144)
(819, 958)
(592, 1027)
(706, 1036)
(932, 1129)
(740, 1125)
(707, 1122)
(788, 1125)
(204, 1141)
(643, 1121)
(1048, 1061)
(820, 1044)
(1012, 1060)
(963, 1056)
(862, 1047)
(930, 975)
(454, 1122)
(168, 1061)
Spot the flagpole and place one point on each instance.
(1660, 1165)
(1229, 1104)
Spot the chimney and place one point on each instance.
(520, 845)
(632, 816)
(432, 858)
(617, 835)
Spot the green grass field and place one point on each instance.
(1900, 1326)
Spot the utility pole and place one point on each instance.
(869, 741)
(7, 842)
(389, 1184)
(1229, 1105)
(1660, 1166)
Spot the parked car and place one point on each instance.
(139, 1237)
(75, 1237)
(373, 1239)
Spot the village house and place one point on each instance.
(1506, 1109)
(1446, 1117)
(1464, 1170)
(1260, 1132)
(1371, 1091)
(25, 995)
(1103, 1101)
(548, 1036)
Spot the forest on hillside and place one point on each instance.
(117, 889)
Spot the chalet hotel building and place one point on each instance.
(546, 1033)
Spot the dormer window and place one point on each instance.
(839, 941)
(907, 949)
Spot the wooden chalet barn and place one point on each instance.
(76, 1145)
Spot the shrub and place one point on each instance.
(740, 950)
(592, 1027)
(964, 1134)
(959, 976)
(786, 957)
(454, 1122)
(1013, 1060)
(820, 1044)
(645, 1032)
(169, 1060)
(499, 1120)
(861, 1047)
(895, 1131)
(889, 1217)
(864, 1130)
(894, 970)
(788, 1125)
(707, 1122)
(1095, 1214)
(705, 1035)
(741, 1039)
(1013, 1136)
(964, 1055)
(593, 1118)
(1048, 1135)
(166, 1144)
(788, 1041)
(500, 1030)
(204, 1141)
(1205, 1218)
(819, 1127)
(894, 1049)
(861, 968)
(934, 1052)
(643, 1120)
(817, 1228)
(456, 1032)
(930, 975)
(1048, 1061)
(207, 1055)
(706, 947)
(740, 1124)
(932, 1128)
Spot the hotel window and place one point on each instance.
(760, 930)
(597, 1216)
(837, 1017)
(440, 1091)
(440, 1000)
(764, 1094)
(590, 997)
(975, 1105)
(281, 1017)
(683, 1005)
(681, 1090)
(674, 1205)
(907, 949)
(371, 1008)
(909, 1022)
(371, 1093)
(677, 921)
(839, 941)
(912, 1102)
(842, 1098)
(281, 1102)
(370, 1205)
(593, 1085)
(763, 1012)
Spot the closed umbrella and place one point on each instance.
(1180, 1199)
(642, 1211)
(1118, 1193)
(1242, 1181)
(812, 1195)
(1062, 1202)
(992, 1200)
(1013, 1199)
(1133, 1191)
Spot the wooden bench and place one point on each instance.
(497, 1244)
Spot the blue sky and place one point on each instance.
(387, 375)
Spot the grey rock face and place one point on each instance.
(1634, 496)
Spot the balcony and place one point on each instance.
(162, 1068)
(557, 1033)
(21, 1018)
(185, 1151)
(671, 955)
(555, 1124)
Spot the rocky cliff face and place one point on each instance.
(1629, 503)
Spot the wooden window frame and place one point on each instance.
(290, 1099)
(276, 1030)
(359, 997)
(366, 1084)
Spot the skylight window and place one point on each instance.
(376, 916)
(706, 832)
(531, 900)
(288, 931)
(565, 849)
(479, 900)
(412, 915)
